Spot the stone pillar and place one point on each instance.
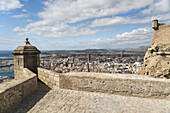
(26, 56)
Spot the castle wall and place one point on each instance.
(162, 35)
(12, 93)
(124, 84)
(156, 61)
(50, 78)
(133, 85)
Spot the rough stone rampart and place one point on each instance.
(133, 85)
(157, 58)
(50, 78)
(12, 93)
(161, 36)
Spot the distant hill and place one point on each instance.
(142, 48)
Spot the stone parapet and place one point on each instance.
(132, 85)
(48, 77)
(12, 93)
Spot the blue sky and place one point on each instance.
(80, 24)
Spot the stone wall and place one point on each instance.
(50, 78)
(161, 36)
(134, 85)
(18, 65)
(12, 93)
(157, 58)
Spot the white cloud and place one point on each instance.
(118, 20)
(60, 30)
(78, 10)
(28, 20)
(9, 43)
(167, 22)
(160, 6)
(133, 39)
(5, 12)
(6, 5)
(24, 10)
(21, 16)
(127, 20)
(58, 14)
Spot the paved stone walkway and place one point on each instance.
(26, 105)
(69, 101)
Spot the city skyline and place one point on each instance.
(80, 24)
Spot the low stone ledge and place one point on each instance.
(16, 90)
(28, 73)
(124, 84)
(48, 77)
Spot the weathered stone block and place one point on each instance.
(15, 91)
(50, 78)
(135, 85)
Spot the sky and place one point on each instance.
(80, 24)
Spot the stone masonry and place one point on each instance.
(26, 56)
(48, 77)
(157, 58)
(26, 61)
(12, 93)
(70, 101)
(122, 84)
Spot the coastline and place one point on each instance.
(6, 58)
(6, 66)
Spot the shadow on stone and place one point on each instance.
(30, 101)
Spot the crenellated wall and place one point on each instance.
(50, 78)
(12, 93)
(124, 84)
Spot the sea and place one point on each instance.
(6, 73)
(5, 54)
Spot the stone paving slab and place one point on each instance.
(69, 101)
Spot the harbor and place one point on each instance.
(6, 66)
